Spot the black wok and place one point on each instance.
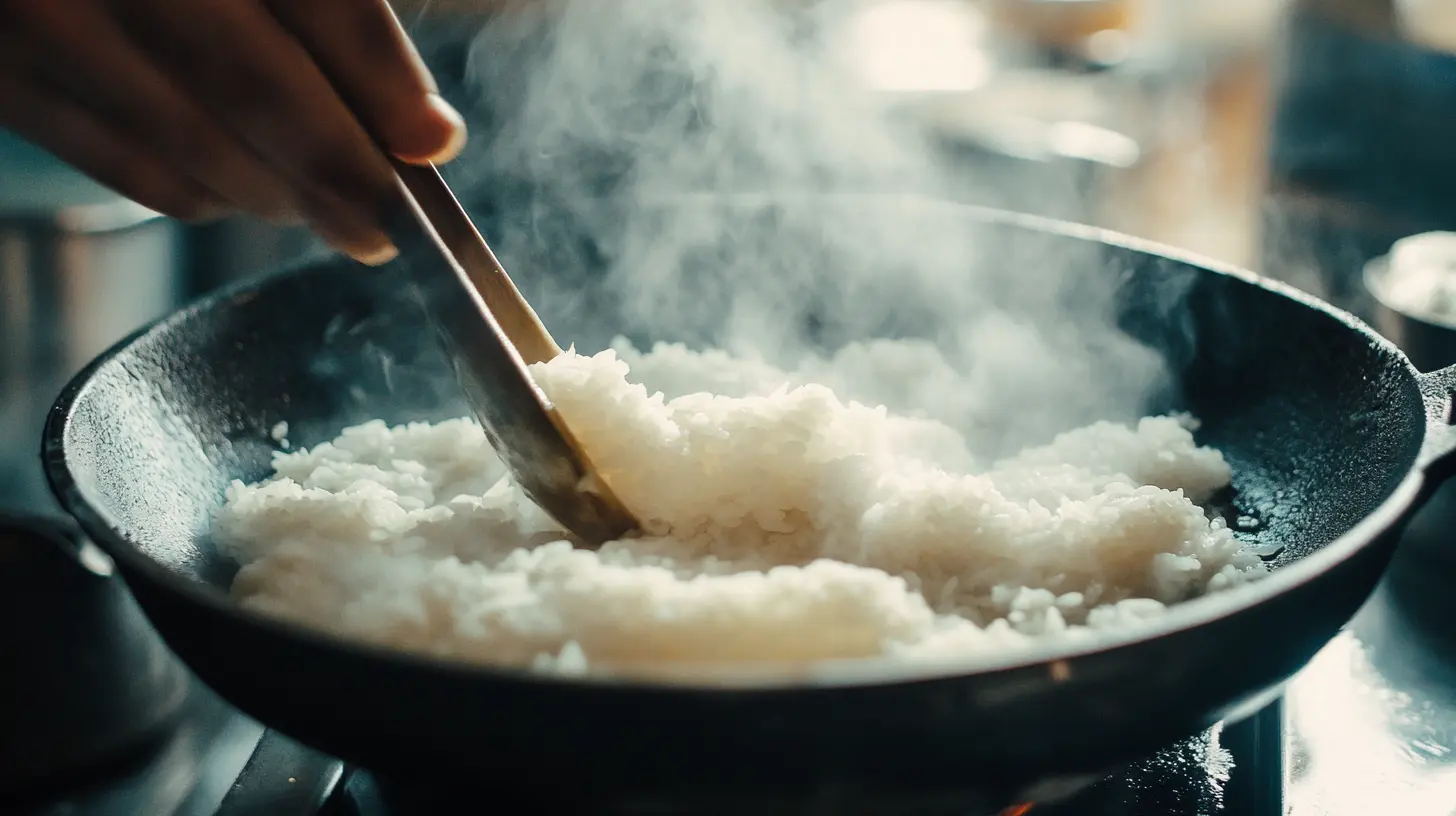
(1332, 435)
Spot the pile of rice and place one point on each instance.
(784, 527)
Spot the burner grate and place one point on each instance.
(1238, 769)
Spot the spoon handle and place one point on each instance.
(517, 319)
(523, 427)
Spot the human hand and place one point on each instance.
(205, 108)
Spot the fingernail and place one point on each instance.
(458, 132)
(377, 257)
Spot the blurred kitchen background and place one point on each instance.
(1298, 138)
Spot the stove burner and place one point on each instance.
(364, 794)
(1196, 776)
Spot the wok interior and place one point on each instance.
(1319, 423)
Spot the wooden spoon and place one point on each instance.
(492, 334)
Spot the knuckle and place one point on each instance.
(360, 179)
(192, 140)
(249, 89)
(177, 128)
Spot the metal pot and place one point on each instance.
(80, 267)
(86, 680)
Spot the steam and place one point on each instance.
(715, 173)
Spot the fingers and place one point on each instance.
(361, 47)
(78, 48)
(45, 115)
(258, 82)
(270, 106)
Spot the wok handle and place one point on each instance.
(1438, 388)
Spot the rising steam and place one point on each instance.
(715, 173)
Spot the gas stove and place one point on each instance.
(1368, 728)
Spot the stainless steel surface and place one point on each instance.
(1429, 344)
(520, 422)
(80, 267)
(1392, 676)
(1372, 721)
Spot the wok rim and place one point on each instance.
(842, 675)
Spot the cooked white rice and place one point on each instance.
(784, 527)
